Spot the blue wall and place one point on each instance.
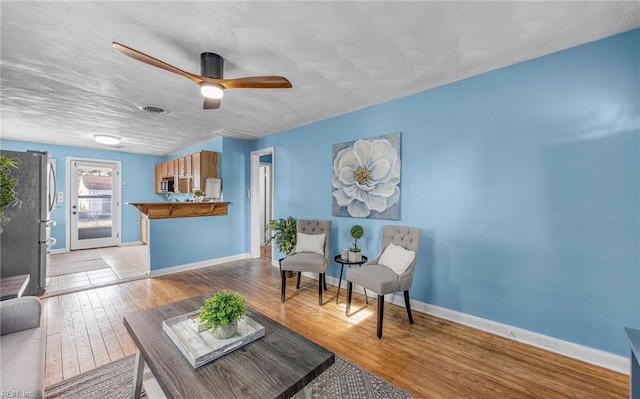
(180, 241)
(525, 181)
(137, 175)
(169, 244)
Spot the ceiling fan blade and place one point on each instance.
(256, 82)
(211, 103)
(147, 59)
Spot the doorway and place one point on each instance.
(262, 201)
(264, 175)
(94, 203)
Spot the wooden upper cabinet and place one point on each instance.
(184, 166)
(169, 168)
(204, 164)
(158, 178)
(189, 172)
(165, 168)
(195, 170)
(187, 165)
(181, 167)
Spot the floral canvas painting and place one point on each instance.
(366, 178)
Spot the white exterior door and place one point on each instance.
(94, 203)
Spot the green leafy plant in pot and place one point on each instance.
(198, 195)
(284, 232)
(221, 313)
(7, 187)
(355, 254)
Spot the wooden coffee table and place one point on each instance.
(13, 287)
(277, 365)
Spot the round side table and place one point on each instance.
(342, 262)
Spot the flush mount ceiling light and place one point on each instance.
(106, 139)
(212, 90)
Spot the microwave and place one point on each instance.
(166, 186)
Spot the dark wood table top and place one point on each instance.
(275, 366)
(339, 259)
(13, 287)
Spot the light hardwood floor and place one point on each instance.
(433, 358)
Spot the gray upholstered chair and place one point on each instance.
(310, 255)
(381, 278)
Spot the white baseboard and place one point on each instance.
(197, 265)
(129, 243)
(122, 244)
(597, 357)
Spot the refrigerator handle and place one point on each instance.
(52, 188)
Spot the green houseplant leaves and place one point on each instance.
(357, 232)
(284, 232)
(222, 308)
(7, 187)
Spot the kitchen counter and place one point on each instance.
(162, 210)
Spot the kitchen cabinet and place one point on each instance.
(158, 178)
(195, 171)
(204, 164)
(185, 166)
(169, 168)
(188, 173)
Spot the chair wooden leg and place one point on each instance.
(320, 289)
(408, 305)
(283, 289)
(298, 283)
(324, 281)
(380, 314)
(349, 291)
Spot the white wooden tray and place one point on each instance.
(202, 348)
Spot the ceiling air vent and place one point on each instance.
(154, 110)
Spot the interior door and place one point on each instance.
(94, 204)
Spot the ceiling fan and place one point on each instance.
(211, 81)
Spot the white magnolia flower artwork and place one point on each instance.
(366, 178)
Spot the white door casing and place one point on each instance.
(254, 190)
(94, 203)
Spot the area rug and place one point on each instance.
(343, 380)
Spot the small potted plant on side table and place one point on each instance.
(221, 313)
(355, 254)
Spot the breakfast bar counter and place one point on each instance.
(162, 210)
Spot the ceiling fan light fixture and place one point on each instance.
(211, 90)
(106, 139)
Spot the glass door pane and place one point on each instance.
(93, 207)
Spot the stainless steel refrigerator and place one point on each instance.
(26, 238)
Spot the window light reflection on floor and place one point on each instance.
(359, 312)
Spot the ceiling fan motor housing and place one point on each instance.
(211, 65)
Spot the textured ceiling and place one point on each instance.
(62, 82)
